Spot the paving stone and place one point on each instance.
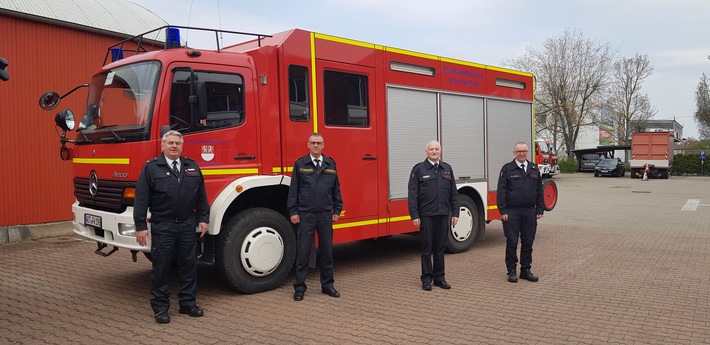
(615, 267)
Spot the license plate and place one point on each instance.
(90, 219)
(605, 170)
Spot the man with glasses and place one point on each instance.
(521, 204)
(314, 203)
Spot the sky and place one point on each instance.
(674, 34)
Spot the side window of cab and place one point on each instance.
(212, 101)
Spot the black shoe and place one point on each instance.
(332, 292)
(512, 277)
(443, 284)
(527, 275)
(426, 286)
(298, 296)
(194, 311)
(162, 317)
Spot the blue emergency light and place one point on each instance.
(116, 54)
(173, 38)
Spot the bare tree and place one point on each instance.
(571, 73)
(702, 114)
(629, 108)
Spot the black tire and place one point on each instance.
(251, 230)
(461, 237)
(596, 174)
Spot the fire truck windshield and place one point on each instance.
(120, 104)
(543, 146)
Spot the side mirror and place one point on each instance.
(4, 75)
(49, 100)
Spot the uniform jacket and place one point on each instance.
(168, 197)
(431, 192)
(518, 189)
(313, 189)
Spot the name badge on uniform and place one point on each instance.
(426, 176)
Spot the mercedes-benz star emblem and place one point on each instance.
(93, 183)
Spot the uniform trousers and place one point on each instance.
(310, 223)
(170, 241)
(433, 231)
(522, 223)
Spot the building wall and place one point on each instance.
(36, 184)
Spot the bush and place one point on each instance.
(568, 165)
(689, 164)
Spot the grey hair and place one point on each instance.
(431, 142)
(171, 132)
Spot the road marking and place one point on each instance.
(691, 205)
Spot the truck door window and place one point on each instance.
(299, 105)
(220, 101)
(345, 98)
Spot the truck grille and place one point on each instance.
(109, 195)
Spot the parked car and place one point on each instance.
(588, 161)
(610, 167)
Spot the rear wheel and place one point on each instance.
(549, 190)
(256, 250)
(461, 236)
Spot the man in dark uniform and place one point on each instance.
(173, 189)
(314, 203)
(521, 204)
(433, 206)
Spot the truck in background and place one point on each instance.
(654, 149)
(246, 111)
(546, 158)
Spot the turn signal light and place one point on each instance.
(129, 193)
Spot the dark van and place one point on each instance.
(588, 161)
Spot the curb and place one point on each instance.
(19, 233)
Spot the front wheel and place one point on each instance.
(461, 236)
(256, 250)
(549, 191)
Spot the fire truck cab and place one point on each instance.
(546, 158)
(246, 112)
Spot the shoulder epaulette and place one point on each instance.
(152, 160)
(187, 158)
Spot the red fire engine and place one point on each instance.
(546, 158)
(246, 112)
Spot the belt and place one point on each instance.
(172, 220)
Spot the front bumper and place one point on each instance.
(117, 229)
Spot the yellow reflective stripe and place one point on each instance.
(492, 207)
(399, 219)
(347, 41)
(281, 169)
(353, 224)
(247, 171)
(314, 95)
(370, 222)
(122, 161)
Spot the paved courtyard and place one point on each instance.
(620, 261)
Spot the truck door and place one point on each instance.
(346, 119)
(219, 131)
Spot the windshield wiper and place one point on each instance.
(116, 138)
(86, 139)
